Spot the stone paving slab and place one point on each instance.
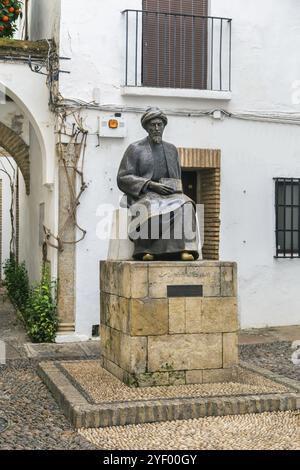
(82, 350)
(84, 411)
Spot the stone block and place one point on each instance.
(115, 312)
(177, 378)
(218, 376)
(126, 279)
(193, 314)
(229, 281)
(113, 368)
(230, 349)
(149, 317)
(194, 376)
(127, 352)
(219, 315)
(123, 273)
(184, 352)
(176, 315)
(156, 379)
(139, 282)
(103, 308)
(109, 277)
(179, 273)
(138, 355)
(208, 276)
(121, 320)
(160, 278)
(211, 315)
(133, 280)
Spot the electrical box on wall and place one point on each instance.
(112, 126)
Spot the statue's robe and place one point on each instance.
(161, 225)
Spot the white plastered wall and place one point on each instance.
(30, 247)
(30, 94)
(44, 19)
(265, 44)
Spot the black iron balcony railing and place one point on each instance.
(174, 50)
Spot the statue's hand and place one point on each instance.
(160, 188)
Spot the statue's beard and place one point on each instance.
(157, 139)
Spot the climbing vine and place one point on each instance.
(12, 184)
(72, 157)
(71, 149)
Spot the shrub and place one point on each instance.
(36, 304)
(16, 282)
(41, 310)
(10, 10)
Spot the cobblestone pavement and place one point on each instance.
(34, 419)
(29, 416)
(266, 431)
(11, 330)
(276, 356)
(31, 419)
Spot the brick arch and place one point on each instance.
(18, 150)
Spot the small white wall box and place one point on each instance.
(113, 126)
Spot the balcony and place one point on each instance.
(177, 51)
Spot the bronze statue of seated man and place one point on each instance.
(163, 224)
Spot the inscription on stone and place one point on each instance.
(185, 291)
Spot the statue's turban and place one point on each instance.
(153, 113)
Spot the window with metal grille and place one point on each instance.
(287, 206)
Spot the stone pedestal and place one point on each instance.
(155, 334)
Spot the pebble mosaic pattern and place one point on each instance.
(34, 419)
(276, 357)
(266, 431)
(101, 386)
(35, 422)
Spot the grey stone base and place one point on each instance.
(84, 414)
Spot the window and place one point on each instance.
(175, 46)
(287, 205)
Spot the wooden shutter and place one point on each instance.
(175, 47)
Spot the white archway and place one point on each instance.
(15, 147)
(29, 91)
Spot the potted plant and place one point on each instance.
(10, 10)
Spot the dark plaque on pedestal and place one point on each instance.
(185, 291)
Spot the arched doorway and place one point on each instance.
(24, 194)
(15, 147)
